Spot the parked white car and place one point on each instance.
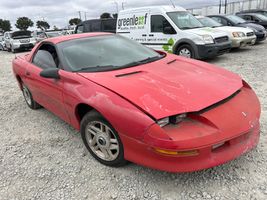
(172, 29)
(239, 36)
(19, 40)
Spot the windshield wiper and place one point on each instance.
(96, 68)
(187, 27)
(144, 61)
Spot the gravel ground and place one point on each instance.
(41, 157)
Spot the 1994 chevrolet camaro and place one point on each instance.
(131, 103)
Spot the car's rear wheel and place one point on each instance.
(185, 50)
(102, 140)
(28, 98)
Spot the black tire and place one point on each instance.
(13, 50)
(28, 98)
(188, 48)
(94, 116)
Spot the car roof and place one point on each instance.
(161, 9)
(56, 40)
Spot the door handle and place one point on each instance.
(144, 35)
(28, 73)
(151, 35)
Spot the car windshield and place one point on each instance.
(184, 20)
(21, 34)
(52, 34)
(104, 53)
(261, 17)
(235, 19)
(206, 21)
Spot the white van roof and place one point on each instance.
(162, 9)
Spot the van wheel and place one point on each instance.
(185, 50)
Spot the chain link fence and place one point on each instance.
(231, 8)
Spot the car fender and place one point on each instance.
(126, 118)
(185, 41)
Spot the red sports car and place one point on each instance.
(131, 103)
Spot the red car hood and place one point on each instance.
(165, 88)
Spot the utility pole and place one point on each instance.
(80, 16)
(220, 7)
(117, 6)
(225, 10)
(85, 18)
(122, 5)
(172, 3)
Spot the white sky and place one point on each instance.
(59, 12)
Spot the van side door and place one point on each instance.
(162, 35)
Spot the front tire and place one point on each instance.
(186, 50)
(28, 98)
(102, 140)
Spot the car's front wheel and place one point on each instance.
(102, 140)
(186, 51)
(28, 98)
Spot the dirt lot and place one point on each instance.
(41, 157)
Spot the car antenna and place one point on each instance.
(172, 3)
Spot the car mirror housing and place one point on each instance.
(50, 73)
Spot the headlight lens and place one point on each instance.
(163, 122)
(239, 34)
(208, 39)
(173, 120)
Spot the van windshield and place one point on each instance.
(206, 21)
(104, 53)
(184, 20)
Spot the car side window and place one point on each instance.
(46, 57)
(158, 23)
(247, 17)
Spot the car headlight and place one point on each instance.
(208, 39)
(239, 34)
(171, 120)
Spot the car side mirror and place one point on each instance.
(168, 30)
(50, 73)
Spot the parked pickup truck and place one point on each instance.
(19, 40)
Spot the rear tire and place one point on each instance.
(186, 50)
(102, 140)
(28, 98)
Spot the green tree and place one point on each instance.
(5, 25)
(74, 21)
(105, 16)
(23, 23)
(115, 15)
(55, 28)
(42, 25)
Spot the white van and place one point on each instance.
(172, 29)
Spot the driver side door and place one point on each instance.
(47, 92)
